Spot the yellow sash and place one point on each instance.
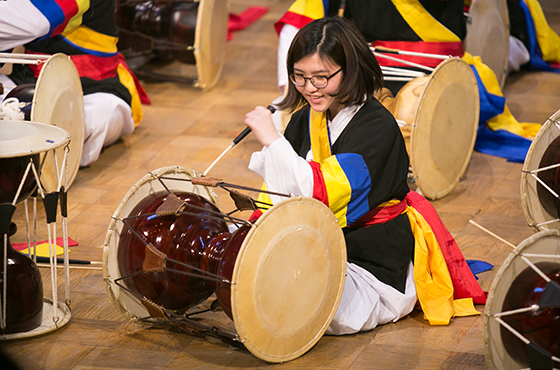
(319, 136)
(549, 41)
(422, 22)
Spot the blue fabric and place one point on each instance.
(490, 105)
(502, 143)
(536, 63)
(477, 266)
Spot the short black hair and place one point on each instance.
(338, 41)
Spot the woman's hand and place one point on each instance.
(259, 121)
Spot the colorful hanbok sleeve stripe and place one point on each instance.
(61, 14)
(344, 180)
(302, 12)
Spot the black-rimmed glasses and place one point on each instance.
(319, 82)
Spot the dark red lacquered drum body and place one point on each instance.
(551, 178)
(24, 300)
(12, 171)
(541, 328)
(194, 239)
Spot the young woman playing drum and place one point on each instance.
(346, 150)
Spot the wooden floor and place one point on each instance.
(189, 127)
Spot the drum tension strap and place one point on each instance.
(51, 205)
(539, 359)
(6, 212)
(154, 310)
(154, 259)
(172, 205)
(242, 201)
(550, 296)
(63, 202)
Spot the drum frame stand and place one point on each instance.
(50, 202)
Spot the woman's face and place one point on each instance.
(320, 99)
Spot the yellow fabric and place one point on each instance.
(309, 8)
(319, 136)
(434, 287)
(76, 21)
(505, 120)
(422, 22)
(136, 106)
(549, 41)
(339, 190)
(43, 250)
(87, 38)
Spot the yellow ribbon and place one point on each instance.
(319, 136)
(549, 41)
(422, 23)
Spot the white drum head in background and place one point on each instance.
(488, 35)
(210, 41)
(23, 138)
(444, 126)
(540, 216)
(537, 248)
(58, 101)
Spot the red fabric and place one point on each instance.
(256, 214)
(59, 241)
(98, 68)
(296, 20)
(464, 282)
(380, 215)
(443, 48)
(319, 187)
(241, 21)
(70, 9)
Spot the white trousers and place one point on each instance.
(367, 302)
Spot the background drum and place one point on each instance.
(488, 35)
(285, 272)
(540, 178)
(24, 311)
(57, 99)
(441, 114)
(193, 32)
(522, 315)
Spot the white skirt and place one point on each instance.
(367, 302)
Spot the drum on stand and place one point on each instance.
(192, 32)
(540, 177)
(440, 112)
(24, 311)
(279, 279)
(522, 314)
(488, 35)
(57, 99)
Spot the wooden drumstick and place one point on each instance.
(235, 141)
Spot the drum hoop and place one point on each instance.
(210, 32)
(75, 125)
(114, 230)
(527, 195)
(245, 321)
(57, 138)
(473, 37)
(424, 182)
(527, 243)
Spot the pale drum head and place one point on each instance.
(441, 112)
(545, 243)
(48, 325)
(488, 35)
(23, 138)
(127, 304)
(288, 279)
(210, 41)
(540, 215)
(58, 101)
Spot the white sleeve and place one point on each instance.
(20, 22)
(283, 170)
(285, 40)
